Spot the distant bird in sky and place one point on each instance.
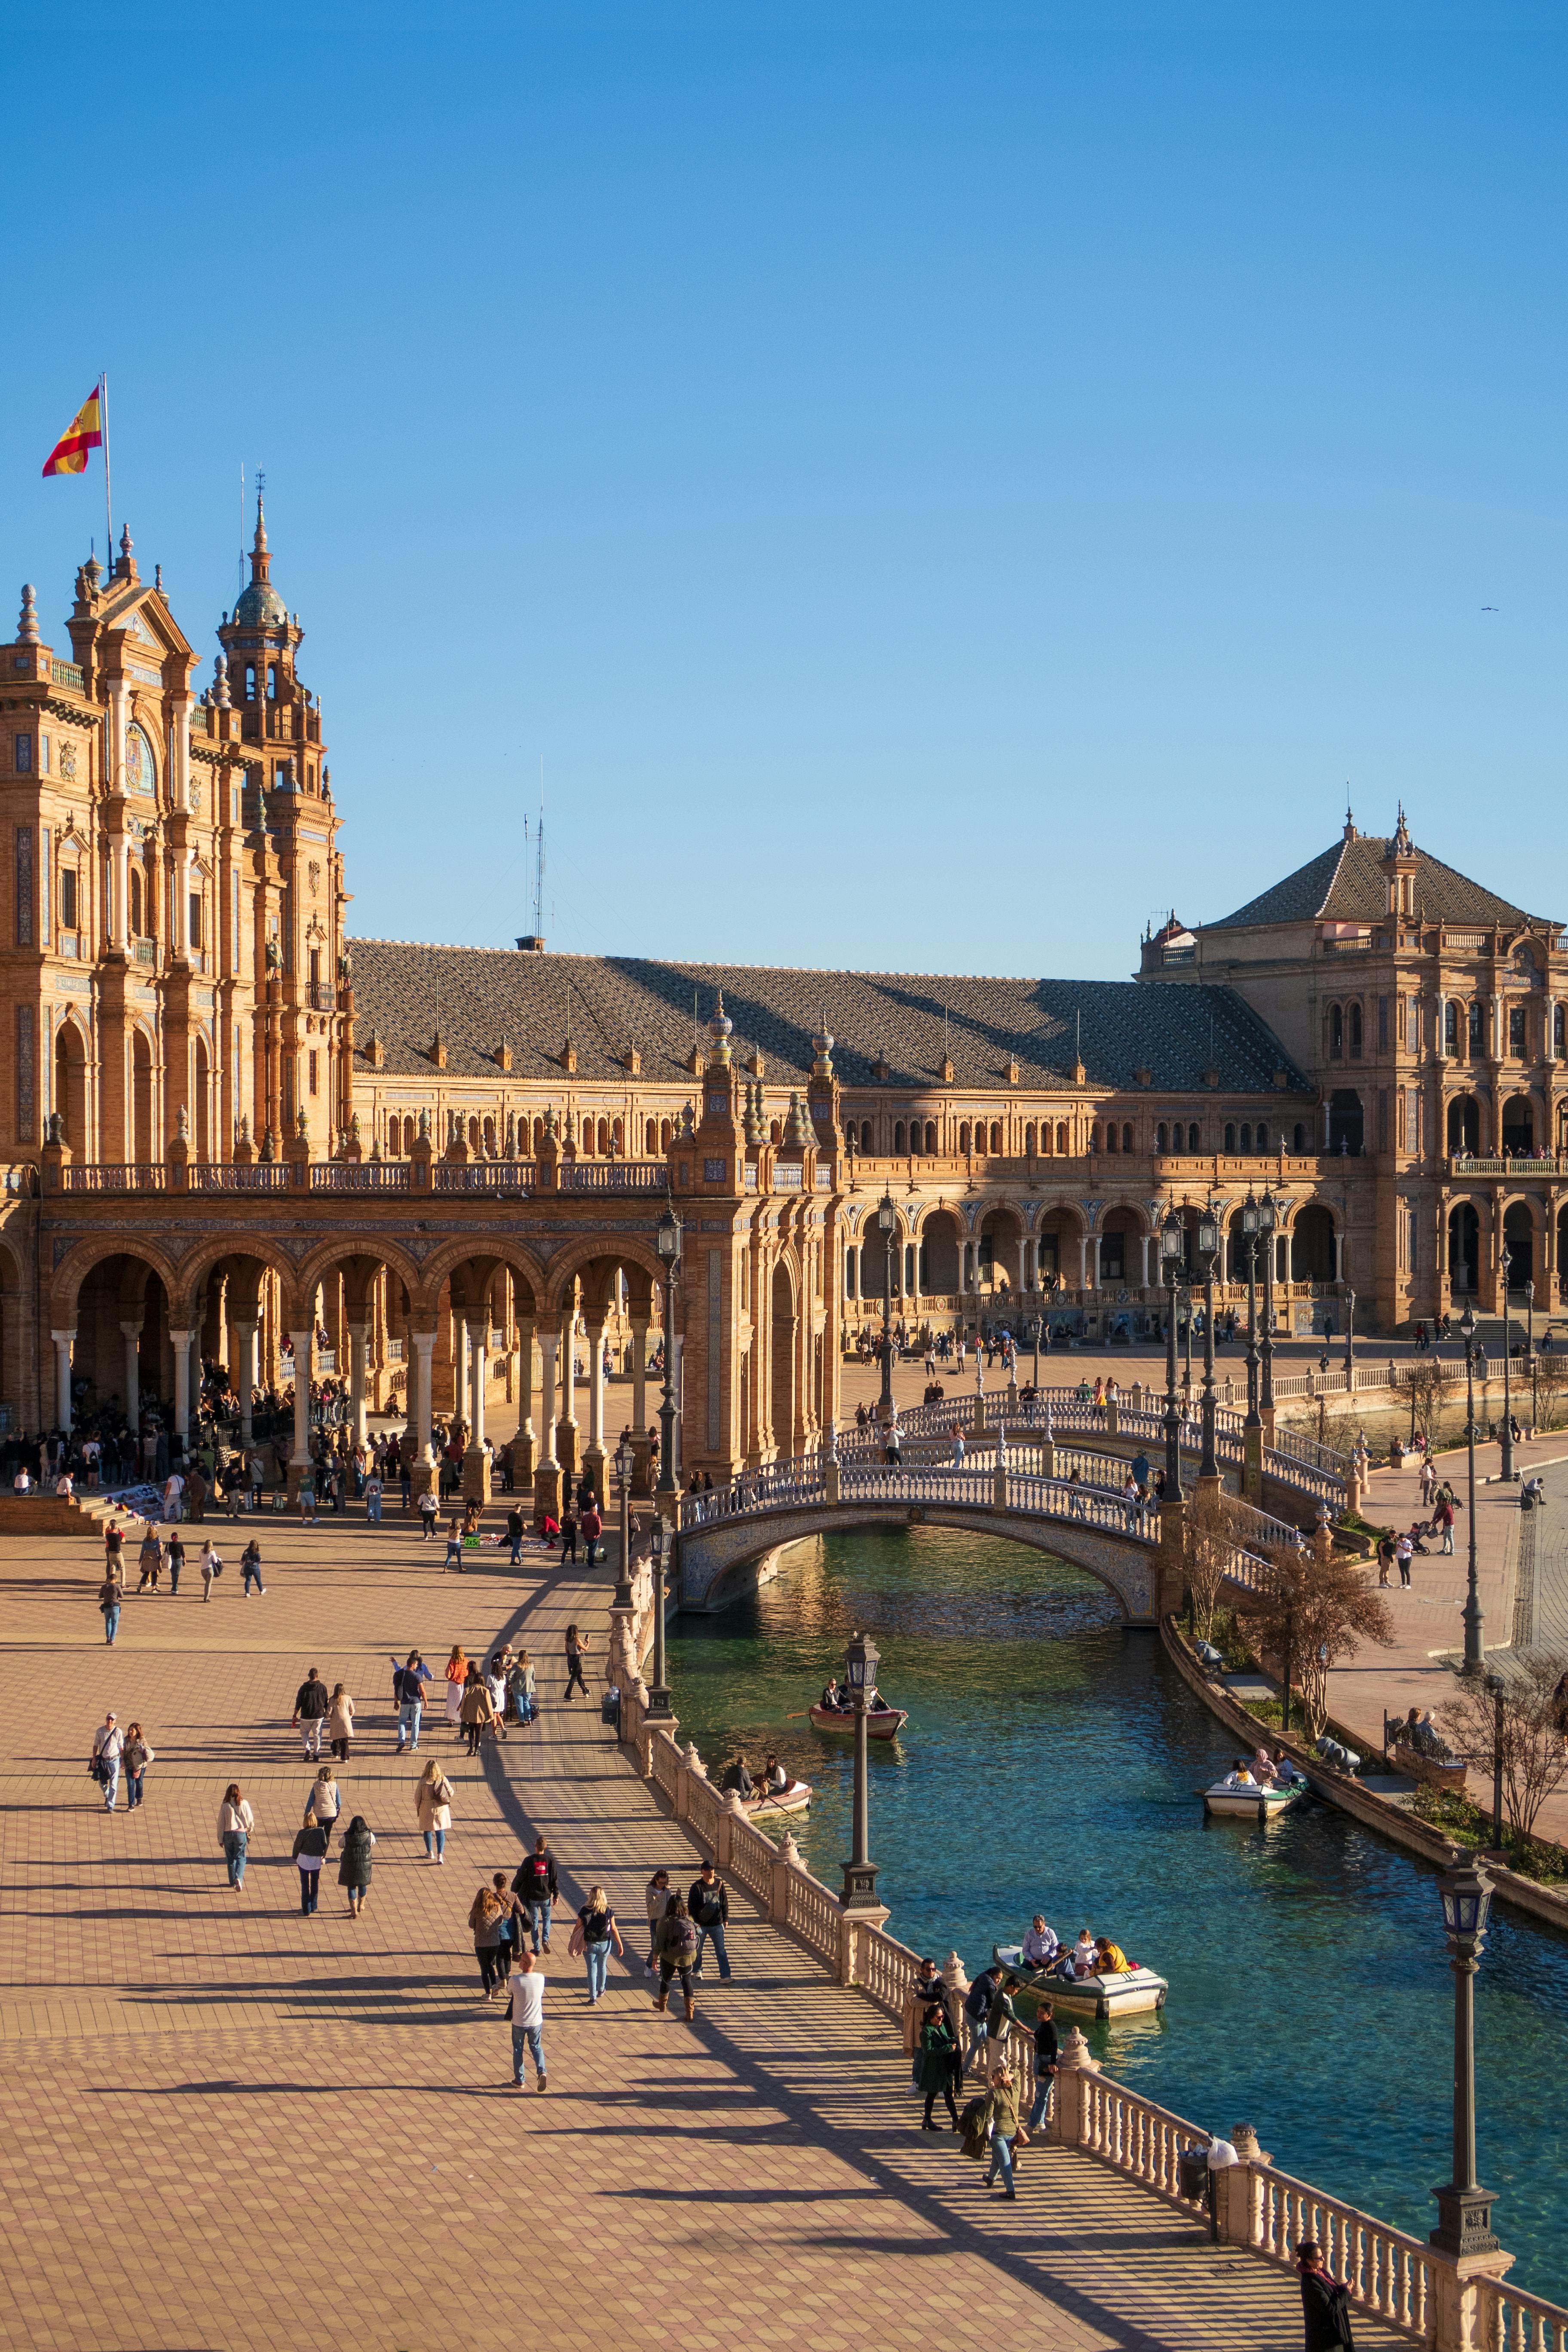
(1490, 608)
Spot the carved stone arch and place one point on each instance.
(196, 1267)
(626, 1249)
(366, 1253)
(84, 1256)
(426, 1283)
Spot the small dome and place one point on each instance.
(260, 607)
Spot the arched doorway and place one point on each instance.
(1464, 1249)
(70, 1085)
(939, 1254)
(1346, 1126)
(1001, 1235)
(1465, 1124)
(1312, 1254)
(1121, 1251)
(784, 1417)
(1518, 1127)
(1519, 1241)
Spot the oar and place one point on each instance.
(797, 1714)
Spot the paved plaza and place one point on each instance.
(227, 2125)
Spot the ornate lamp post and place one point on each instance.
(667, 1241)
(1349, 1343)
(1208, 1251)
(1038, 1322)
(1505, 1464)
(658, 1706)
(887, 1222)
(1464, 2208)
(1497, 1687)
(1173, 1251)
(1475, 1653)
(1529, 1352)
(860, 1663)
(623, 1462)
(1249, 1235)
(1268, 1224)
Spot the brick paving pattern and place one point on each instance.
(227, 2126)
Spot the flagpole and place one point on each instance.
(107, 493)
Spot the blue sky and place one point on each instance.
(936, 486)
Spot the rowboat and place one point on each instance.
(794, 1798)
(1127, 1995)
(881, 1723)
(1252, 1804)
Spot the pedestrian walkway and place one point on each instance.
(228, 2126)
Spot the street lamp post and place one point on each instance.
(667, 1241)
(860, 1663)
(1249, 1233)
(1464, 2208)
(658, 1706)
(623, 1462)
(1530, 1353)
(1497, 1687)
(1349, 1343)
(887, 1222)
(1038, 1322)
(1173, 1249)
(1505, 1466)
(1474, 1620)
(1208, 1249)
(1268, 1224)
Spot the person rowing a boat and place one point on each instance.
(737, 1778)
(833, 1698)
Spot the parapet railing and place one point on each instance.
(1415, 2289)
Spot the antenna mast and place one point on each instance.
(538, 860)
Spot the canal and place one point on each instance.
(1049, 1764)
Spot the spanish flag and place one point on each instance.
(84, 432)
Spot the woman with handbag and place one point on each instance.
(433, 1809)
(137, 1757)
(353, 1864)
(477, 1709)
(236, 1823)
(591, 1939)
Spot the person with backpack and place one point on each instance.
(977, 2010)
(708, 1902)
(591, 1939)
(675, 1947)
(311, 1701)
(537, 1888)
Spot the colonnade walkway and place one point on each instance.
(227, 2126)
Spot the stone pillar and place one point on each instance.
(680, 1413)
(132, 1331)
(565, 1447)
(547, 1474)
(1083, 1262)
(424, 1469)
(1024, 1264)
(522, 1451)
(300, 1457)
(181, 1343)
(594, 1455)
(476, 1461)
(63, 1343)
(244, 1378)
(359, 1350)
(1074, 2068)
(639, 1377)
(460, 1371)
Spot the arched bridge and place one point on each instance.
(1116, 1540)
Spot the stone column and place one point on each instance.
(300, 1457)
(1083, 1262)
(547, 1475)
(565, 1447)
(63, 1343)
(639, 1377)
(245, 1377)
(476, 1461)
(594, 1455)
(181, 1343)
(359, 1350)
(132, 1331)
(1023, 1264)
(675, 1392)
(523, 1444)
(462, 1374)
(419, 1385)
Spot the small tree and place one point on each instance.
(1213, 1530)
(1534, 1737)
(1313, 1613)
(1551, 1388)
(1421, 1380)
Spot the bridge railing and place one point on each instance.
(801, 1480)
(877, 1482)
(1059, 1498)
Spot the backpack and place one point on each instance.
(680, 1943)
(972, 2131)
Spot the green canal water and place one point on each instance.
(1049, 1764)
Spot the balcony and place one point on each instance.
(1517, 1171)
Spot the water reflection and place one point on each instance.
(1050, 1763)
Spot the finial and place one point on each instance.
(182, 1126)
(258, 545)
(157, 575)
(303, 1130)
(126, 542)
(27, 628)
(220, 681)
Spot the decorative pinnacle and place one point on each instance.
(27, 628)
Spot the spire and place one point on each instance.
(1350, 832)
(260, 606)
(261, 561)
(28, 627)
(1403, 844)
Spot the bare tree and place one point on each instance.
(1312, 1613)
(1421, 1380)
(1551, 1389)
(1212, 1531)
(1535, 1736)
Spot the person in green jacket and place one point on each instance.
(1001, 2115)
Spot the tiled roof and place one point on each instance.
(1348, 885)
(616, 1001)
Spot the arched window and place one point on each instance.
(931, 1139)
(1517, 1042)
(1127, 1135)
(1112, 1137)
(664, 1134)
(650, 1139)
(964, 1138)
(1260, 1139)
(995, 1136)
(1477, 1026)
(1247, 1135)
(1094, 1136)
(1230, 1139)
(1450, 1027)
(1195, 1137)
(271, 681)
(1298, 1138)
(1046, 1135)
(865, 1135)
(1062, 1137)
(619, 1136)
(1355, 1032)
(251, 682)
(898, 1138)
(489, 1138)
(473, 1135)
(537, 1137)
(1559, 1023)
(1161, 1138)
(1336, 1033)
(604, 1138)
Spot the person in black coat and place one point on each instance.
(1325, 2303)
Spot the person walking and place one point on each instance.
(525, 2015)
(372, 1493)
(339, 1722)
(941, 2065)
(521, 1685)
(310, 1852)
(538, 1889)
(1002, 2115)
(977, 2010)
(514, 1527)
(110, 1600)
(408, 1682)
(1443, 1520)
(656, 1895)
(211, 1566)
(457, 1679)
(236, 1824)
(477, 1709)
(354, 1864)
(1047, 2051)
(593, 1527)
(454, 1546)
(568, 1534)
(174, 1558)
(429, 1511)
(433, 1809)
(1325, 2301)
(488, 1915)
(311, 1704)
(150, 1559)
(325, 1800)
(594, 1933)
(707, 1902)
(136, 1758)
(675, 1946)
(577, 1651)
(1404, 1552)
(108, 1749)
(250, 1567)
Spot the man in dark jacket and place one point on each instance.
(514, 1535)
(311, 1701)
(708, 1900)
(977, 2010)
(536, 1889)
(1047, 2053)
(1325, 2303)
(737, 1780)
